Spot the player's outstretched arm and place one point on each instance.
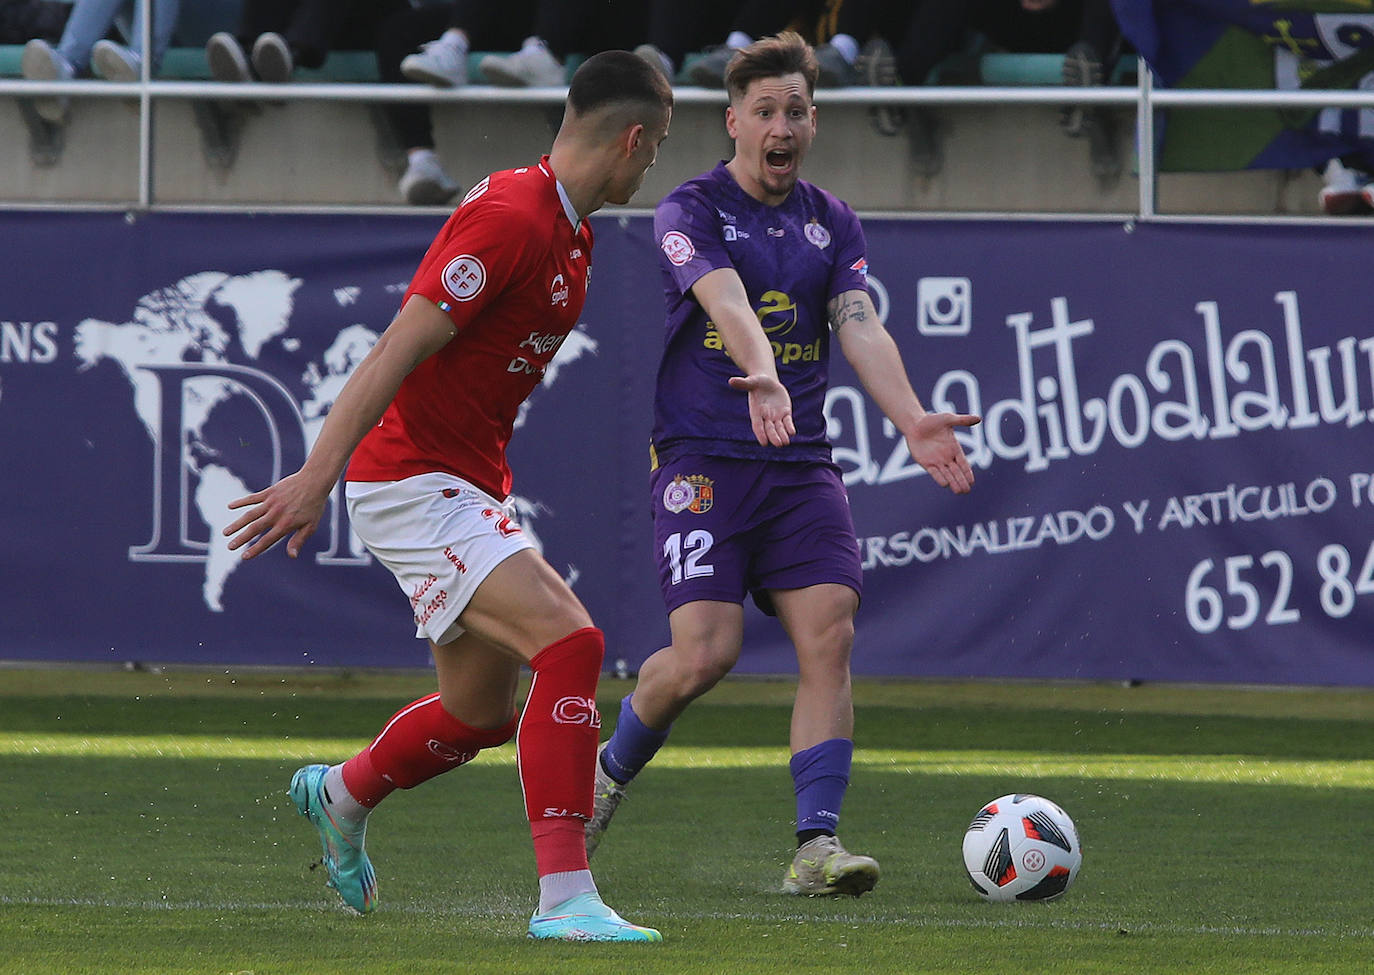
(722, 294)
(878, 362)
(294, 505)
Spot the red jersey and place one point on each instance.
(511, 270)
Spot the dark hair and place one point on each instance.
(771, 57)
(614, 77)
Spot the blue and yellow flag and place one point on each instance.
(1285, 45)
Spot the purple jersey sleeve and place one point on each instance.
(689, 239)
(850, 270)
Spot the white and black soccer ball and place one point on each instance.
(1021, 848)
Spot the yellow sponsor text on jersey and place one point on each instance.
(784, 352)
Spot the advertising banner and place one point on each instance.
(1175, 478)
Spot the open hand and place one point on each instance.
(289, 507)
(933, 446)
(770, 408)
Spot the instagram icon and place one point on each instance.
(944, 306)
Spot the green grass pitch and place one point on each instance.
(145, 828)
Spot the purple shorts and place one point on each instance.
(724, 527)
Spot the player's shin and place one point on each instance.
(820, 777)
(420, 741)
(556, 749)
(632, 746)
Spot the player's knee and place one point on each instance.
(829, 645)
(827, 663)
(702, 671)
(575, 655)
(561, 615)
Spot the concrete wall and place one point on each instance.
(1002, 159)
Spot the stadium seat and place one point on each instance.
(188, 64)
(360, 67)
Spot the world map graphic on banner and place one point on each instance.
(201, 342)
(1174, 479)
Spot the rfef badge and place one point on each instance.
(692, 492)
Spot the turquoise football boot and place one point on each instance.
(586, 918)
(350, 871)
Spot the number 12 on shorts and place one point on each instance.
(684, 555)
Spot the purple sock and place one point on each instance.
(820, 775)
(632, 745)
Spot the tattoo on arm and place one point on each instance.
(845, 308)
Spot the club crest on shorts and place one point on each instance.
(692, 492)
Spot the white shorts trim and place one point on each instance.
(440, 536)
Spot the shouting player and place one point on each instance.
(426, 419)
(762, 270)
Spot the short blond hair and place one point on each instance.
(771, 57)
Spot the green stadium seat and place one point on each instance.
(188, 64)
(360, 67)
(9, 60)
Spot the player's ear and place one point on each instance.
(633, 138)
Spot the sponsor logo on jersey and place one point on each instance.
(861, 265)
(777, 313)
(692, 492)
(577, 710)
(464, 277)
(776, 232)
(677, 247)
(558, 291)
(817, 234)
(729, 231)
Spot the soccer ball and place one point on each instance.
(1023, 848)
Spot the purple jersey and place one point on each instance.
(793, 259)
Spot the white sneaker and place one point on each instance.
(533, 66)
(272, 59)
(43, 62)
(1342, 195)
(226, 59)
(441, 63)
(115, 62)
(425, 183)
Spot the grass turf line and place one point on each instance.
(147, 830)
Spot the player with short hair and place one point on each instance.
(762, 270)
(426, 419)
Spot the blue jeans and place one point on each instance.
(90, 21)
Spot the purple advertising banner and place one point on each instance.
(1175, 473)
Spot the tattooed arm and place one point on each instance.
(878, 363)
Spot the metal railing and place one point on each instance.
(1143, 96)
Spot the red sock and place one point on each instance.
(559, 733)
(420, 741)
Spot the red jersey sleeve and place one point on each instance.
(479, 254)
